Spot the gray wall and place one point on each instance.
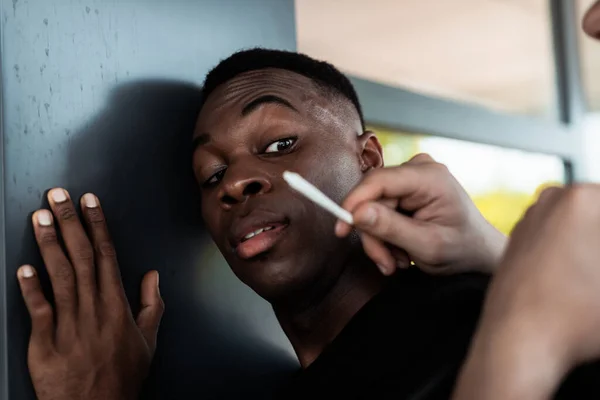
(101, 96)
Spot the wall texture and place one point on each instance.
(101, 96)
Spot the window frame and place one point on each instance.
(400, 109)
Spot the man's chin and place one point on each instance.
(277, 284)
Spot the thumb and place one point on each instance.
(392, 227)
(152, 309)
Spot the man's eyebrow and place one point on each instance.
(204, 138)
(200, 140)
(248, 108)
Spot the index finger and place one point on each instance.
(342, 229)
(393, 182)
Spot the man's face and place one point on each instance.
(591, 22)
(252, 129)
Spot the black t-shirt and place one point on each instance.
(409, 342)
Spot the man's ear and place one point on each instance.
(371, 152)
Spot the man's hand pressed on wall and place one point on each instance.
(89, 346)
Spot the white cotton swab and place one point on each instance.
(301, 185)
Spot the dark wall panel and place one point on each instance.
(101, 96)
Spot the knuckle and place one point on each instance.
(84, 253)
(63, 297)
(160, 307)
(48, 236)
(41, 353)
(106, 249)
(438, 246)
(413, 171)
(96, 216)
(421, 157)
(383, 222)
(63, 272)
(66, 213)
(440, 168)
(41, 311)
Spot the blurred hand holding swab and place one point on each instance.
(304, 187)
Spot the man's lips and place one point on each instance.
(257, 232)
(260, 241)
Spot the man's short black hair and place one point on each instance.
(322, 73)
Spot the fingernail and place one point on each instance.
(384, 270)
(90, 200)
(369, 216)
(26, 271)
(44, 218)
(58, 195)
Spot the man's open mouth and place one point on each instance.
(257, 232)
(260, 240)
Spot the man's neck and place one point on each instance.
(312, 327)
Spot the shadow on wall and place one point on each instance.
(135, 156)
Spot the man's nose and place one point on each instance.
(237, 189)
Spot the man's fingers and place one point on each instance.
(109, 277)
(421, 158)
(342, 229)
(40, 310)
(152, 309)
(391, 226)
(402, 258)
(59, 268)
(402, 184)
(384, 182)
(76, 242)
(379, 253)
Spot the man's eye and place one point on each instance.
(215, 179)
(280, 146)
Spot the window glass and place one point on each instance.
(498, 54)
(503, 183)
